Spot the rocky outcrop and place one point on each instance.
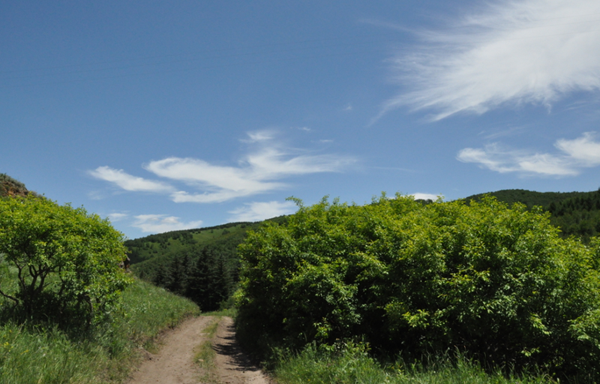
(11, 187)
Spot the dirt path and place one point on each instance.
(233, 367)
(174, 363)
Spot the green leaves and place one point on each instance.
(67, 260)
(494, 281)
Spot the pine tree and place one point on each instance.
(159, 277)
(200, 281)
(221, 284)
(174, 281)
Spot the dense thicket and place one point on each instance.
(66, 262)
(492, 281)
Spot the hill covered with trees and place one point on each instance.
(201, 264)
(204, 262)
(575, 213)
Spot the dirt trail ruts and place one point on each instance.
(233, 366)
(174, 363)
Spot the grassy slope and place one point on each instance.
(164, 244)
(152, 254)
(47, 355)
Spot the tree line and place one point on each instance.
(575, 213)
(201, 274)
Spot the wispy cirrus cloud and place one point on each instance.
(573, 156)
(129, 182)
(257, 211)
(530, 51)
(261, 170)
(162, 223)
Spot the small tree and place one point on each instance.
(66, 260)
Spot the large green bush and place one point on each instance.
(492, 281)
(66, 261)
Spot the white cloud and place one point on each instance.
(162, 223)
(574, 155)
(530, 51)
(258, 211)
(258, 172)
(585, 149)
(129, 182)
(114, 217)
(425, 196)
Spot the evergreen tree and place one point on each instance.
(174, 281)
(200, 281)
(159, 277)
(221, 283)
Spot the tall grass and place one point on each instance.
(353, 365)
(44, 354)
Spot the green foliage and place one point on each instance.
(494, 282)
(66, 261)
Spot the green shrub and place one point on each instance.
(66, 261)
(492, 281)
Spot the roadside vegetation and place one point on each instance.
(43, 353)
(480, 285)
(348, 363)
(69, 313)
(485, 290)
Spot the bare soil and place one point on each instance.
(174, 363)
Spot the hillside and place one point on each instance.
(154, 257)
(11, 187)
(575, 213)
(155, 253)
(201, 264)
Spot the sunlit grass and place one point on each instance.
(44, 354)
(354, 366)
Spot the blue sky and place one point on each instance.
(166, 115)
